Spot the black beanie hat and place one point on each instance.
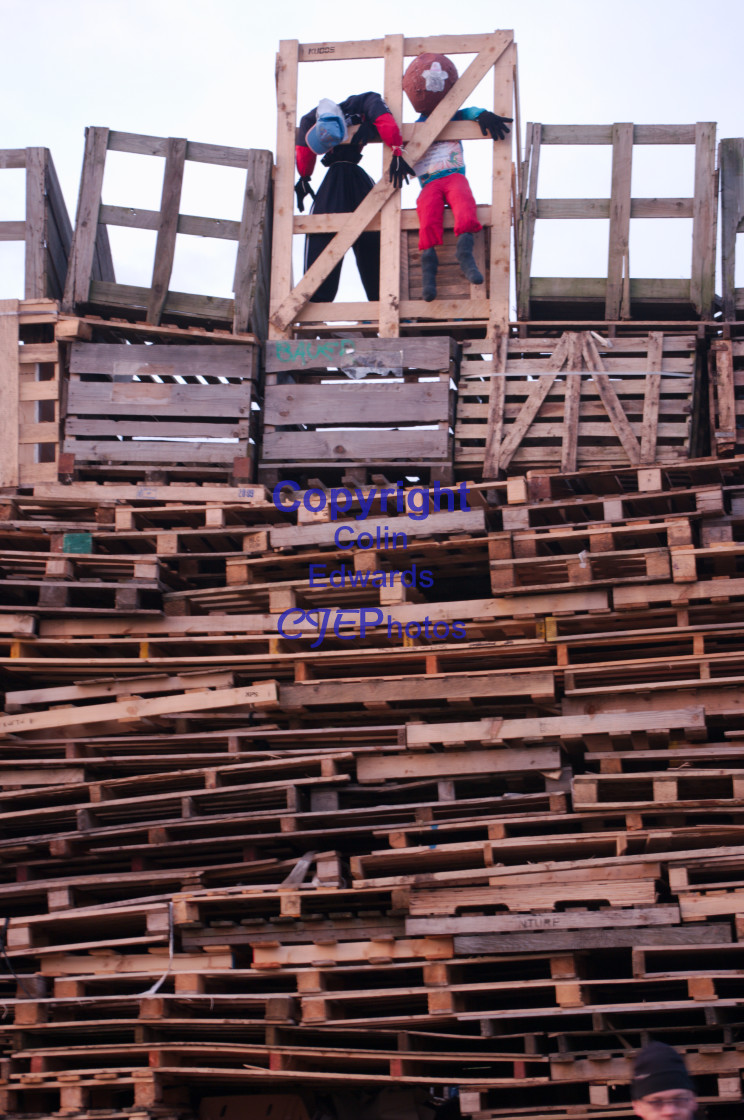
(659, 1067)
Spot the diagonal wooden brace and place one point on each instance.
(381, 192)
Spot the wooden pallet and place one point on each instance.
(545, 404)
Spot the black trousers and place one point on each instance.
(342, 189)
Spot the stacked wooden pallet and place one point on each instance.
(269, 833)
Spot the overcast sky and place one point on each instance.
(206, 72)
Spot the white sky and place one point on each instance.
(206, 72)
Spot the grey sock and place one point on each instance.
(466, 260)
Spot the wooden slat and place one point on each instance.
(254, 229)
(378, 445)
(610, 400)
(83, 249)
(527, 224)
(500, 246)
(725, 395)
(357, 403)
(537, 395)
(150, 219)
(36, 224)
(165, 247)
(570, 435)
(108, 294)
(128, 398)
(416, 352)
(617, 294)
(151, 451)
(496, 415)
(552, 208)
(650, 426)
(9, 404)
(704, 222)
(224, 360)
(731, 170)
(286, 102)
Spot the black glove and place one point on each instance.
(302, 190)
(400, 172)
(490, 122)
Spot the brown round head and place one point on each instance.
(427, 79)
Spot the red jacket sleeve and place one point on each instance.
(388, 130)
(305, 160)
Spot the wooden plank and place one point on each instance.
(374, 446)
(152, 451)
(650, 425)
(128, 429)
(220, 228)
(496, 415)
(501, 215)
(66, 694)
(537, 395)
(286, 101)
(731, 170)
(284, 314)
(128, 398)
(555, 208)
(617, 295)
(381, 768)
(261, 694)
(9, 393)
(390, 239)
(527, 222)
(106, 293)
(650, 916)
(602, 134)
(36, 224)
(417, 352)
(570, 434)
(413, 689)
(419, 735)
(165, 246)
(214, 360)
(610, 400)
(80, 270)
(704, 221)
(594, 938)
(725, 395)
(254, 247)
(458, 521)
(357, 403)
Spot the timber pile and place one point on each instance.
(241, 861)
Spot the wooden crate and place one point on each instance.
(291, 312)
(318, 416)
(29, 392)
(580, 401)
(619, 295)
(85, 290)
(158, 406)
(46, 229)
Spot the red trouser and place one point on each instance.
(454, 190)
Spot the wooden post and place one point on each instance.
(704, 221)
(527, 220)
(286, 102)
(9, 392)
(86, 222)
(617, 302)
(503, 81)
(165, 246)
(390, 238)
(731, 169)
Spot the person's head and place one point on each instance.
(329, 128)
(662, 1088)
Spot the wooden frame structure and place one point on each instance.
(381, 209)
(618, 296)
(91, 280)
(46, 229)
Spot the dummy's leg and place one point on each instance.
(460, 198)
(430, 206)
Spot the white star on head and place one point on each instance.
(435, 77)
